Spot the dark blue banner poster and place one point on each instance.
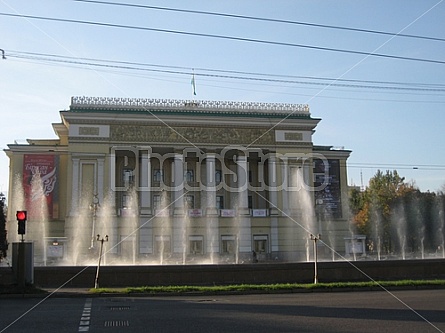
(327, 188)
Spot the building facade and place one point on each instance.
(171, 181)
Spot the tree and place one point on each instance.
(360, 210)
(373, 207)
(425, 221)
(3, 233)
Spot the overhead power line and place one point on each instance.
(264, 19)
(329, 79)
(214, 73)
(437, 167)
(234, 38)
(250, 89)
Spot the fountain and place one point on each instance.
(33, 199)
(406, 234)
(413, 230)
(163, 240)
(83, 231)
(302, 208)
(330, 236)
(440, 226)
(127, 243)
(377, 232)
(399, 224)
(185, 224)
(18, 203)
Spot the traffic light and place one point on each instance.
(21, 219)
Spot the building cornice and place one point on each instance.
(101, 119)
(34, 148)
(332, 152)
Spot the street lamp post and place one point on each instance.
(315, 238)
(96, 282)
(94, 206)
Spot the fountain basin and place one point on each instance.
(260, 273)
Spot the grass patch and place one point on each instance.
(279, 287)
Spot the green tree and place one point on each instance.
(424, 215)
(372, 208)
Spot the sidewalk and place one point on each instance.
(15, 292)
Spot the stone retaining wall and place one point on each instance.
(340, 271)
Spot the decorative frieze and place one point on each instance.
(195, 135)
(82, 102)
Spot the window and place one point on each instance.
(163, 244)
(219, 202)
(158, 175)
(218, 176)
(128, 176)
(189, 176)
(190, 201)
(157, 202)
(196, 244)
(125, 200)
(260, 243)
(228, 244)
(250, 202)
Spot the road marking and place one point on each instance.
(117, 323)
(84, 325)
(119, 308)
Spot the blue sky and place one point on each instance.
(385, 128)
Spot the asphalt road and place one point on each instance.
(399, 311)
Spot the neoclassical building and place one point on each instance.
(174, 181)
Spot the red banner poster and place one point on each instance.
(39, 184)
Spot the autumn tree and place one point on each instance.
(372, 208)
(359, 207)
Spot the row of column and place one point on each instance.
(211, 212)
(145, 184)
(178, 176)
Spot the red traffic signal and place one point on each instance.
(21, 218)
(21, 215)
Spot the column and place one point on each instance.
(285, 182)
(100, 179)
(273, 184)
(145, 229)
(273, 198)
(210, 186)
(179, 227)
(113, 232)
(178, 188)
(145, 184)
(74, 209)
(245, 234)
(75, 187)
(212, 225)
(242, 182)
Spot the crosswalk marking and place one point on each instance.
(84, 324)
